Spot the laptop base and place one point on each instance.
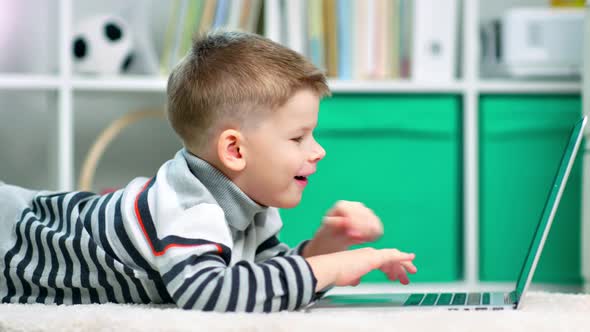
(478, 301)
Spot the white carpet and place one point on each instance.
(542, 312)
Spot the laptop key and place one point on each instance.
(444, 299)
(486, 299)
(473, 298)
(430, 299)
(459, 299)
(414, 299)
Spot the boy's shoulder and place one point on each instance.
(187, 182)
(174, 202)
(173, 185)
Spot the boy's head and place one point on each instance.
(248, 106)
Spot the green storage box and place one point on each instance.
(522, 139)
(401, 156)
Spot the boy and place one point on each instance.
(202, 233)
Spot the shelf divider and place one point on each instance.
(65, 113)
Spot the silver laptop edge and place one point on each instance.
(570, 163)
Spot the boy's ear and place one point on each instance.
(230, 150)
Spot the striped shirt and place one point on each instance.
(187, 236)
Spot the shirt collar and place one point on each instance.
(239, 209)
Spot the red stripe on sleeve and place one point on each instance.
(147, 238)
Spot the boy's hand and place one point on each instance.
(346, 224)
(346, 268)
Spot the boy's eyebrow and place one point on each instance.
(303, 129)
(308, 128)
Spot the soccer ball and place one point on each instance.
(102, 45)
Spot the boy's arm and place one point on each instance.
(193, 258)
(345, 268)
(204, 281)
(345, 224)
(272, 247)
(198, 272)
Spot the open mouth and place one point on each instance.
(301, 180)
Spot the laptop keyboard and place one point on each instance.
(442, 299)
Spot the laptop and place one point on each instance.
(475, 300)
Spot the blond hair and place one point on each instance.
(234, 76)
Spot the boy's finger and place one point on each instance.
(355, 235)
(401, 274)
(396, 255)
(392, 274)
(388, 256)
(403, 278)
(387, 269)
(409, 266)
(335, 221)
(362, 236)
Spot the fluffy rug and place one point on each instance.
(541, 312)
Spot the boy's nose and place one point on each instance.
(318, 153)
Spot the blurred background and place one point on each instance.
(448, 117)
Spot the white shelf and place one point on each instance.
(158, 84)
(120, 83)
(532, 87)
(394, 86)
(29, 82)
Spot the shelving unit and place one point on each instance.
(470, 86)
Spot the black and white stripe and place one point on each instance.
(63, 253)
(74, 248)
(206, 283)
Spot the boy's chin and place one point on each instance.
(287, 203)
(283, 200)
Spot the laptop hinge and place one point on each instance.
(511, 298)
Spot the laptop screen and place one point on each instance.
(567, 161)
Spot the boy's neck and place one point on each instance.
(239, 209)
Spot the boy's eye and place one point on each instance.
(297, 139)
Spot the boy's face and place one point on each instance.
(282, 153)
